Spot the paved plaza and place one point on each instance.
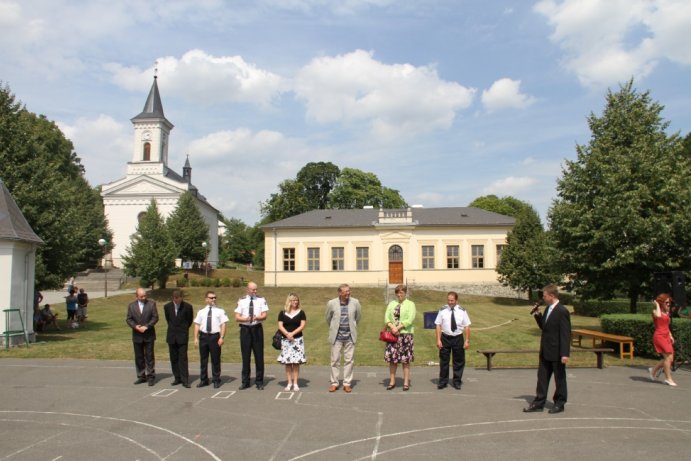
(86, 410)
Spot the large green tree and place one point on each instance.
(356, 189)
(151, 254)
(508, 205)
(44, 175)
(321, 185)
(187, 229)
(238, 242)
(528, 261)
(623, 209)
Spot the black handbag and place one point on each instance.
(276, 340)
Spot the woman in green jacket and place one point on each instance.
(399, 318)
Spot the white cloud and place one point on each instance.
(610, 41)
(101, 143)
(510, 185)
(393, 100)
(341, 7)
(243, 167)
(505, 93)
(201, 77)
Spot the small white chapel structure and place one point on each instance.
(18, 243)
(148, 176)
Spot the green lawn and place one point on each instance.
(496, 323)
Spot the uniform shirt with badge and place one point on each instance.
(258, 305)
(444, 319)
(218, 318)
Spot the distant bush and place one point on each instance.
(236, 283)
(194, 282)
(640, 327)
(217, 282)
(225, 282)
(598, 307)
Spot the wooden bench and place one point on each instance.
(625, 342)
(489, 353)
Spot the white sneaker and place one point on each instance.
(296, 388)
(670, 383)
(287, 389)
(652, 376)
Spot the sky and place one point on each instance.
(444, 101)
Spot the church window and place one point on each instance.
(147, 151)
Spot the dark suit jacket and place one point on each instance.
(148, 317)
(555, 342)
(178, 325)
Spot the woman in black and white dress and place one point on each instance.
(291, 322)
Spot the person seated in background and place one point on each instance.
(48, 317)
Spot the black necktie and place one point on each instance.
(454, 325)
(208, 321)
(251, 307)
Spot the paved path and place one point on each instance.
(58, 296)
(86, 410)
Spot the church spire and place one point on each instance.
(187, 171)
(153, 108)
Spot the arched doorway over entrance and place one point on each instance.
(395, 264)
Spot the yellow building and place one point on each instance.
(432, 247)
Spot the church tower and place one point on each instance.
(151, 133)
(150, 177)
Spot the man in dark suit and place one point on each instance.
(555, 346)
(142, 315)
(179, 316)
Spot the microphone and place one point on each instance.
(536, 307)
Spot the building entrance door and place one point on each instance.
(395, 265)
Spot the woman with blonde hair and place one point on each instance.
(399, 318)
(663, 339)
(291, 322)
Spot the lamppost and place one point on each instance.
(206, 259)
(104, 244)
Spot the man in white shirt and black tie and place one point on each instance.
(209, 333)
(251, 311)
(453, 337)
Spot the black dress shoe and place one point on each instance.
(217, 384)
(556, 409)
(176, 382)
(187, 385)
(260, 386)
(140, 381)
(441, 386)
(457, 386)
(244, 386)
(532, 409)
(202, 383)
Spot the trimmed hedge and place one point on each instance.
(640, 327)
(598, 307)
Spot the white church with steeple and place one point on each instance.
(148, 176)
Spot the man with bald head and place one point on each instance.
(142, 315)
(251, 311)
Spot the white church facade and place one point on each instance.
(148, 176)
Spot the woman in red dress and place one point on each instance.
(662, 339)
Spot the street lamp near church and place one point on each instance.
(104, 244)
(206, 259)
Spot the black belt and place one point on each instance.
(208, 334)
(451, 336)
(250, 326)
